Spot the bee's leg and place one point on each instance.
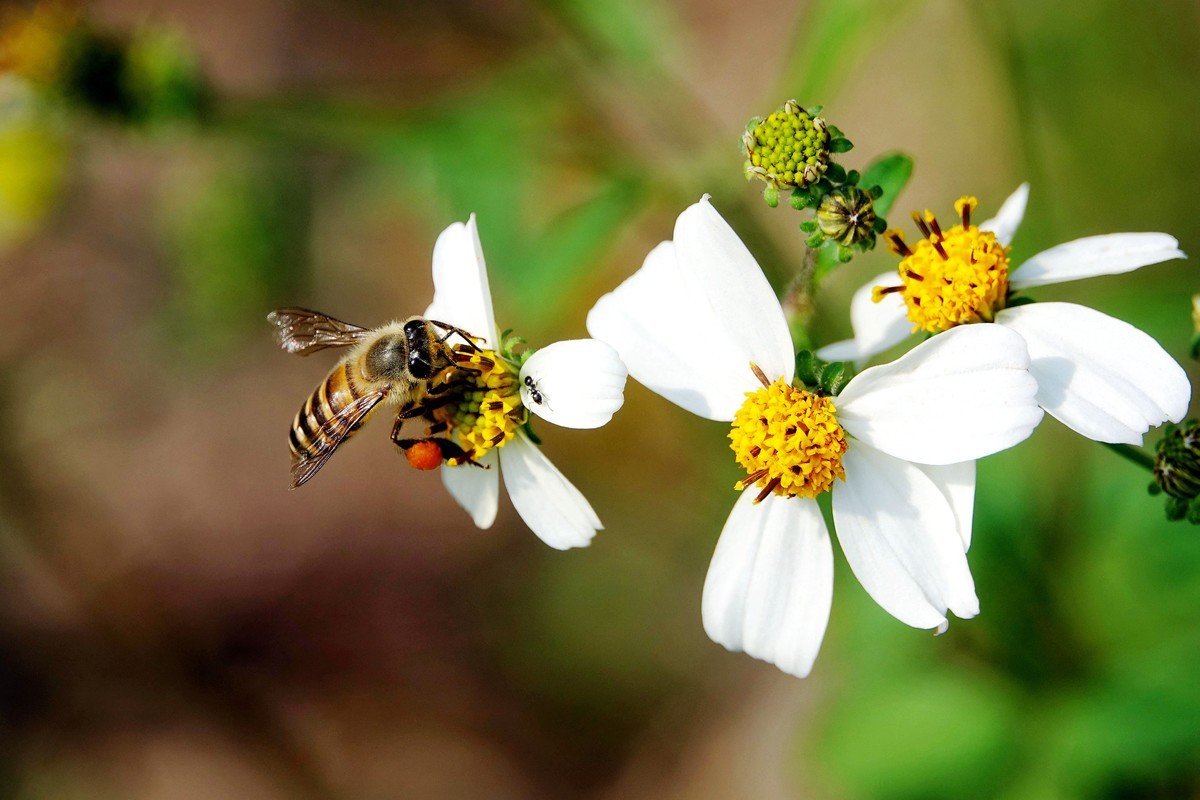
(453, 329)
(447, 450)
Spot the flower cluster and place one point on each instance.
(893, 447)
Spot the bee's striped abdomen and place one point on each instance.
(330, 415)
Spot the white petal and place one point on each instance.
(770, 584)
(551, 507)
(961, 395)
(461, 295)
(1110, 254)
(900, 537)
(476, 490)
(877, 326)
(1098, 375)
(728, 276)
(576, 384)
(1009, 217)
(956, 482)
(666, 332)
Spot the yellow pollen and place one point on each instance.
(950, 277)
(789, 441)
(486, 410)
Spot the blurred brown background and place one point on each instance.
(175, 624)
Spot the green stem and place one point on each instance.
(1134, 454)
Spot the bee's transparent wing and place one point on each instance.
(332, 433)
(303, 332)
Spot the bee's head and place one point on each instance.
(424, 349)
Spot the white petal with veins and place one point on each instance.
(1009, 217)
(1109, 254)
(961, 395)
(900, 536)
(1098, 375)
(551, 507)
(669, 337)
(876, 326)
(461, 295)
(476, 489)
(770, 584)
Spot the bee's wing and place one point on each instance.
(332, 433)
(304, 332)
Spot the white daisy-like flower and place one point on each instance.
(1097, 375)
(575, 384)
(700, 325)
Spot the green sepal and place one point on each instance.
(771, 195)
(1013, 302)
(890, 173)
(800, 200)
(834, 377)
(814, 110)
(814, 241)
(533, 437)
(880, 225)
(844, 253)
(1177, 508)
(835, 173)
(809, 226)
(840, 145)
(1193, 513)
(807, 366)
(834, 132)
(1195, 348)
(853, 177)
(875, 191)
(1154, 489)
(751, 125)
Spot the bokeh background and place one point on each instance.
(175, 624)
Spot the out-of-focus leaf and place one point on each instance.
(891, 172)
(501, 152)
(568, 244)
(237, 237)
(831, 40)
(932, 735)
(630, 31)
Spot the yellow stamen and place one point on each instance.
(487, 409)
(951, 277)
(789, 442)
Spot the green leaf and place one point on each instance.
(831, 39)
(890, 172)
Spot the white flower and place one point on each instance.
(689, 325)
(1097, 375)
(576, 384)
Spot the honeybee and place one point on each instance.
(399, 364)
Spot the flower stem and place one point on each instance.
(1134, 454)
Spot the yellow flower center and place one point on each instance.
(950, 277)
(486, 411)
(789, 441)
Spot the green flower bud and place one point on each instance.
(789, 149)
(1177, 463)
(847, 215)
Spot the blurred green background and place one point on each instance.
(175, 624)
